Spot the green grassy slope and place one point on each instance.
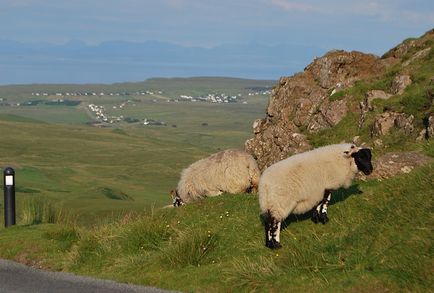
(379, 239)
(75, 166)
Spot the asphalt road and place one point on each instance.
(18, 278)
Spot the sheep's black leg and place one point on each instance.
(320, 212)
(272, 232)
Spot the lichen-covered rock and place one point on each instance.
(395, 163)
(388, 120)
(428, 131)
(313, 100)
(399, 84)
(430, 127)
(301, 103)
(343, 68)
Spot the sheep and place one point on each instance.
(300, 182)
(231, 171)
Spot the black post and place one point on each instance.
(9, 188)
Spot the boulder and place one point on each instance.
(388, 120)
(376, 94)
(399, 84)
(301, 103)
(396, 163)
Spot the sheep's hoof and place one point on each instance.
(315, 216)
(319, 217)
(273, 244)
(323, 218)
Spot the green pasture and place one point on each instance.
(378, 239)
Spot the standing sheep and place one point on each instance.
(299, 183)
(231, 171)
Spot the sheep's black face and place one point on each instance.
(363, 160)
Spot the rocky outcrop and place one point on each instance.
(317, 99)
(302, 103)
(384, 123)
(396, 163)
(428, 131)
(399, 84)
(402, 49)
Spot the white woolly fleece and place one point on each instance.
(231, 171)
(297, 184)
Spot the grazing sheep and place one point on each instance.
(231, 171)
(299, 183)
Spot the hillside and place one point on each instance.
(378, 239)
(386, 102)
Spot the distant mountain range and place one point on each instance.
(117, 61)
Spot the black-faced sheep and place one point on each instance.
(231, 171)
(299, 183)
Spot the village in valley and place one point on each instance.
(107, 107)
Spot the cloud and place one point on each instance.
(294, 6)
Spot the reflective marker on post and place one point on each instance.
(9, 200)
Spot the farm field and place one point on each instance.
(94, 171)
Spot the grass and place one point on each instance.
(378, 239)
(82, 168)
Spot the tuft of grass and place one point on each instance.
(190, 248)
(66, 236)
(38, 210)
(251, 274)
(143, 234)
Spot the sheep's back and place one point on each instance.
(301, 179)
(226, 171)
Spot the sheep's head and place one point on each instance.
(177, 201)
(362, 158)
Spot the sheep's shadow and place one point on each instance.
(337, 196)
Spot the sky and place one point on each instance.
(371, 26)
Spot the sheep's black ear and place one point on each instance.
(174, 193)
(365, 153)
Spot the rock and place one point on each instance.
(406, 169)
(422, 135)
(378, 143)
(257, 124)
(386, 121)
(375, 94)
(418, 55)
(301, 102)
(395, 163)
(328, 115)
(399, 84)
(343, 68)
(428, 132)
(430, 127)
(356, 140)
(402, 49)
